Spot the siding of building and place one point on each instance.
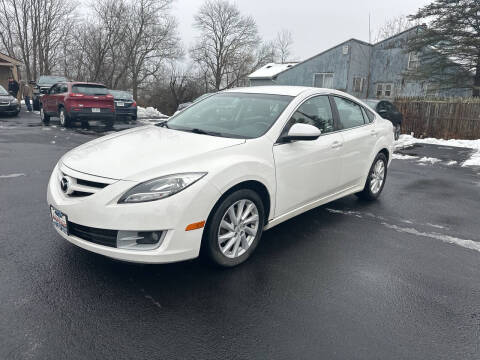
(383, 63)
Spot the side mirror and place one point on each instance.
(302, 132)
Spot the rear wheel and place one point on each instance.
(376, 179)
(44, 117)
(109, 123)
(235, 228)
(64, 118)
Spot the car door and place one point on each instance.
(59, 94)
(359, 137)
(308, 170)
(47, 99)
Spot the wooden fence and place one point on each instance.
(449, 118)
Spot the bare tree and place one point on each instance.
(32, 30)
(394, 26)
(226, 43)
(283, 44)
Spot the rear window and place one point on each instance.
(90, 89)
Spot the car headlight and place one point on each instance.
(160, 188)
(14, 101)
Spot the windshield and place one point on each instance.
(88, 89)
(50, 80)
(230, 114)
(3, 91)
(120, 94)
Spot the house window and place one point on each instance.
(323, 80)
(384, 90)
(358, 84)
(413, 61)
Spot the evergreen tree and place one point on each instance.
(449, 45)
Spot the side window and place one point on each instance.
(315, 111)
(53, 89)
(62, 88)
(367, 114)
(350, 113)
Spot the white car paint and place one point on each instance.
(298, 176)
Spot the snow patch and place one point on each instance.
(430, 160)
(149, 113)
(408, 140)
(403, 157)
(11, 176)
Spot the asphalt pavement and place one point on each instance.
(395, 279)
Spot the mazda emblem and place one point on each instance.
(64, 184)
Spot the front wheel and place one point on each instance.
(235, 228)
(44, 117)
(376, 179)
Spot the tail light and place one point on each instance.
(76, 95)
(109, 96)
(134, 104)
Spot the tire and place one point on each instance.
(44, 117)
(65, 120)
(134, 118)
(109, 123)
(376, 179)
(36, 104)
(235, 237)
(397, 131)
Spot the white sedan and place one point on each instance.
(212, 178)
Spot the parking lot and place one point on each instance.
(393, 279)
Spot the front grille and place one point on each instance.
(4, 103)
(98, 236)
(81, 187)
(91, 183)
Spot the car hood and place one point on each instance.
(132, 154)
(6, 98)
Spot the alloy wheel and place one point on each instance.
(42, 114)
(62, 118)
(377, 177)
(238, 228)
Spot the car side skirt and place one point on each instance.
(313, 204)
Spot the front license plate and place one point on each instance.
(59, 220)
(95, 110)
(120, 104)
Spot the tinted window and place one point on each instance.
(315, 111)
(349, 112)
(87, 89)
(50, 80)
(232, 114)
(122, 95)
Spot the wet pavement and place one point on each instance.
(395, 279)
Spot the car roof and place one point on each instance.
(286, 90)
(85, 83)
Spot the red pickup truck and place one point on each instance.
(77, 101)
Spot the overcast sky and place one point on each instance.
(316, 25)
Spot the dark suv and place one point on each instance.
(388, 111)
(77, 101)
(43, 84)
(125, 106)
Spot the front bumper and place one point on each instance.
(10, 109)
(125, 112)
(171, 215)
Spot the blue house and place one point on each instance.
(359, 68)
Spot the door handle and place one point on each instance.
(336, 145)
(373, 132)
